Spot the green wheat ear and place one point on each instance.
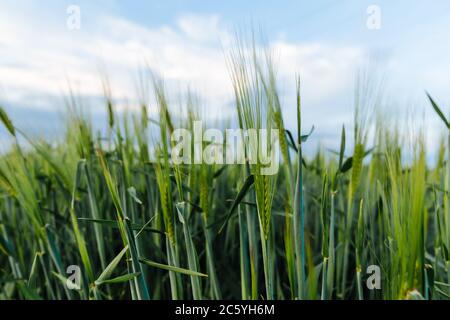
(357, 163)
(7, 122)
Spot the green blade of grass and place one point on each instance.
(120, 279)
(171, 268)
(438, 111)
(106, 274)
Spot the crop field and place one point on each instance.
(109, 214)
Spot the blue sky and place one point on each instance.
(325, 41)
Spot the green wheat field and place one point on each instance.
(369, 219)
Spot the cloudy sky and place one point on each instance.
(324, 41)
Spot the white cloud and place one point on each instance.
(38, 54)
(206, 29)
(188, 53)
(324, 70)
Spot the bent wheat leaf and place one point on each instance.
(111, 267)
(119, 279)
(171, 268)
(438, 110)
